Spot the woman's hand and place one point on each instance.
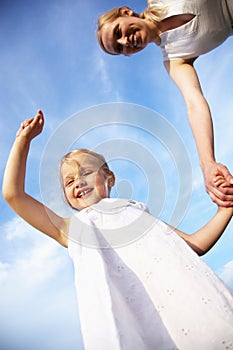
(219, 184)
(32, 127)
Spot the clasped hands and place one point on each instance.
(219, 184)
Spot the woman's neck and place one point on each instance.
(174, 22)
(168, 24)
(154, 31)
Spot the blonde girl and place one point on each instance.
(140, 283)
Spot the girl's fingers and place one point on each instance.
(28, 121)
(35, 124)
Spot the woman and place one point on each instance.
(183, 30)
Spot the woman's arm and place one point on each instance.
(185, 77)
(13, 189)
(203, 240)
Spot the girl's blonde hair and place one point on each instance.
(103, 165)
(153, 13)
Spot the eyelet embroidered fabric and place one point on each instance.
(151, 293)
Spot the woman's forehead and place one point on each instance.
(107, 36)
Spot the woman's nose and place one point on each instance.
(124, 41)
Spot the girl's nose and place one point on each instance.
(79, 181)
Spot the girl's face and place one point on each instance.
(84, 182)
(126, 35)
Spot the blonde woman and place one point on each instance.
(183, 30)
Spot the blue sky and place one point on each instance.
(50, 60)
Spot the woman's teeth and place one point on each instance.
(134, 41)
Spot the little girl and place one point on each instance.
(140, 283)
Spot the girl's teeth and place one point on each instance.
(84, 192)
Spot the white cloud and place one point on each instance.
(41, 263)
(16, 228)
(226, 274)
(37, 292)
(34, 256)
(102, 71)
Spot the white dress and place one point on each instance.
(141, 287)
(210, 27)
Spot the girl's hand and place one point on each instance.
(32, 127)
(219, 184)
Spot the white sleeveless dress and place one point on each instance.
(141, 287)
(210, 27)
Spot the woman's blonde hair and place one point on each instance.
(152, 13)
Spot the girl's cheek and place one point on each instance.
(67, 192)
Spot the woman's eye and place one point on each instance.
(119, 48)
(118, 33)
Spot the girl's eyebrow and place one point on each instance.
(88, 166)
(67, 177)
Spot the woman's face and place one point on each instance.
(126, 35)
(84, 182)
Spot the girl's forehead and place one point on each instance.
(82, 161)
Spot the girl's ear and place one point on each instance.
(126, 11)
(111, 179)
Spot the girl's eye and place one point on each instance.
(88, 172)
(69, 182)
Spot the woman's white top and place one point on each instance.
(141, 287)
(210, 27)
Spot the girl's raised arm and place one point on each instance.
(13, 189)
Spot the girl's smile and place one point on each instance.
(84, 193)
